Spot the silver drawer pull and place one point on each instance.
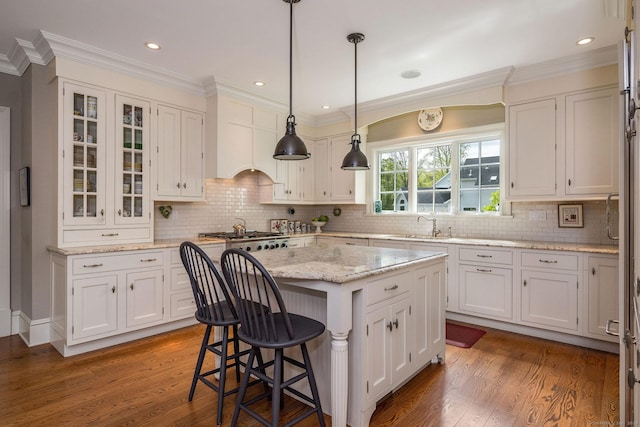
(109, 234)
(607, 328)
(92, 265)
(483, 270)
(548, 261)
(349, 243)
(391, 288)
(484, 256)
(148, 260)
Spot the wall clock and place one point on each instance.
(430, 118)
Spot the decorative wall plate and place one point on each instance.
(430, 118)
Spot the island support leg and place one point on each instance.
(339, 378)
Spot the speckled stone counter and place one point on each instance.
(339, 263)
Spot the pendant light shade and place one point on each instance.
(290, 146)
(355, 159)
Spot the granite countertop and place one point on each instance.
(340, 263)
(497, 243)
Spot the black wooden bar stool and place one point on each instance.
(274, 329)
(215, 307)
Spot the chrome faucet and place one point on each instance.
(434, 228)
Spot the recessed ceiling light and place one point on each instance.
(152, 45)
(585, 40)
(326, 107)
(258, 83)
(410, 74)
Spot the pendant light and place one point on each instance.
(290, 146)
(355, 159)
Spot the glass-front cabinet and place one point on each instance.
(84, 185)
(132, 162)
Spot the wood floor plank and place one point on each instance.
(505, 379)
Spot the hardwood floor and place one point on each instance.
(503, 380)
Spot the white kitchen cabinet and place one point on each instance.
(428, 309)
(333, 184)
(532, 149)
(383, 243)
(98, 296)
(550, 290)
(388, 334)
(179, 172)
(132, 190)
(94, 307)
(350, 241)
(485, 282)
(564, 147)
(302, 241)
(602, 295)
(100, 156)
(450, 280)
(144, 297)
(592, 142)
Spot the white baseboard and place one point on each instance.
(33, 332)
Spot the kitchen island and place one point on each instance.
(384, 312)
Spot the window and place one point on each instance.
(456, 174)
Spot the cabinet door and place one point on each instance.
(428, 313)
(144, 297)
(603, 296)
(168, 168)
(401, 341)
(486, 290)
(322, 170)
(550, 299)
(94, 307)
(84, 170)
(132, 192)
(192, 155)
(342, 181)
(532, 149)
(378, 347)
(592, 142)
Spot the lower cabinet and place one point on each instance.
(485, 278)
(602, 301)
(405, 327)
(550, 290)
(104, 299)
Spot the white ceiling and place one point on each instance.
(237, 42)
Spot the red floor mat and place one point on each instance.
(463, 336)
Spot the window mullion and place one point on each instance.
(413, 180)
(455, 177)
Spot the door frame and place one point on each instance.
(5, 211)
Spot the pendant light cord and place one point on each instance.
(290, 58)
(355, 107)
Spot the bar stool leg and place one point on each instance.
(223, 371)
(203, 350)
(312, 383)
(243, 387)
(277, 388)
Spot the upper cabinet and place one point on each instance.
(564, 146)
(180, 155)
(245, 136)
(104, 179)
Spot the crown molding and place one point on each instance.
(600, 57)
(82, 52)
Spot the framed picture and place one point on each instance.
(570, 216)
(25, 184)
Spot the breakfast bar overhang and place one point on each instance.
(384, 312)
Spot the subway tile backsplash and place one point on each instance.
(228, 200)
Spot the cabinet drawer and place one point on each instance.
(100, 263)
(214, 251)
(388, 287)
(182, 305)
(486, 255)
(550, 260)
(107, 236)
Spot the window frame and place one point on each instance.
(457, 137)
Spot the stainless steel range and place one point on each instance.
(251, 241)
